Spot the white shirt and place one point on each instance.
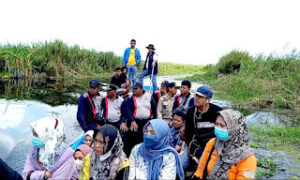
(139, 166)
(155, 57)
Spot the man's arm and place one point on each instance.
(125, 58)
(81, 113)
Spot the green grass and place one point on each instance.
(277, 138)
(272, 81)
(166, 68)
(55, 59)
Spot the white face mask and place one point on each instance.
(78, 163)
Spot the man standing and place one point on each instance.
(150, 66)
(185, 100)
(132, 59)
(200, 122)
(88, 113)
(165, 104)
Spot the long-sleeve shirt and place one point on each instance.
(245, 169)
(139, 166)
(201, 126)
(89, 110)
(64, 168)
(137, 53)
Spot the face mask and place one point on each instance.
(149, 140)
(37, 142)
(221, 134)
(78, 163)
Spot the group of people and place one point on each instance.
(159, 135)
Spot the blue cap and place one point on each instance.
(204, 91)
(138, 85)
(94, 83)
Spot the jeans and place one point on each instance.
(184, 159)
(146, 73)
(132, 70)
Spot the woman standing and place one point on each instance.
(107, 160)
(155, 158)
(228, 156)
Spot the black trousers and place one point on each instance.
(134, 138)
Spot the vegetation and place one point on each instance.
(272, 81)
(166, 68)
(265, 168)
(54, 59)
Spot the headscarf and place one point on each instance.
(51, 132)
(107, 165)
(90, 133)
(85, 149)
(155, 152)
(235, 149)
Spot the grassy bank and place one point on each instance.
(54, 59)
(166, 68)
(272, 81)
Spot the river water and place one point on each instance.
(24, 101)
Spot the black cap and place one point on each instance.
(112, 87)
(94, 83)
(138, 85)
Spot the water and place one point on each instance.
(24, 101)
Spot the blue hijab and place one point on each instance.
(156, 146)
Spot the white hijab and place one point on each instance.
(51, 132)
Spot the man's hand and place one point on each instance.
(123, 127)
(134, 126)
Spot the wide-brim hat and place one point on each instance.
(150, 46)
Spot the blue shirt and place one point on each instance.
(175, 139)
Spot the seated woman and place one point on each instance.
(228, 156)
(154, 158)
(88, 137)
(50, 157)
(107, 160)
(79, 156)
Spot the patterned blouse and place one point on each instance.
(139, 166)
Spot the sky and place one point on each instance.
(187, 32)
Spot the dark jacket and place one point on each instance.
(197, 132)
(150, 64)
(86, 116)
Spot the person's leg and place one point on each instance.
(154, 83)
(142, 75)
(134, 71)
(128, 73)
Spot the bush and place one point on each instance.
(233, 61)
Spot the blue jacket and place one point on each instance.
(127, 53)
(85, 114)
(155, 71)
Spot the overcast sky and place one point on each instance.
(193, 32)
